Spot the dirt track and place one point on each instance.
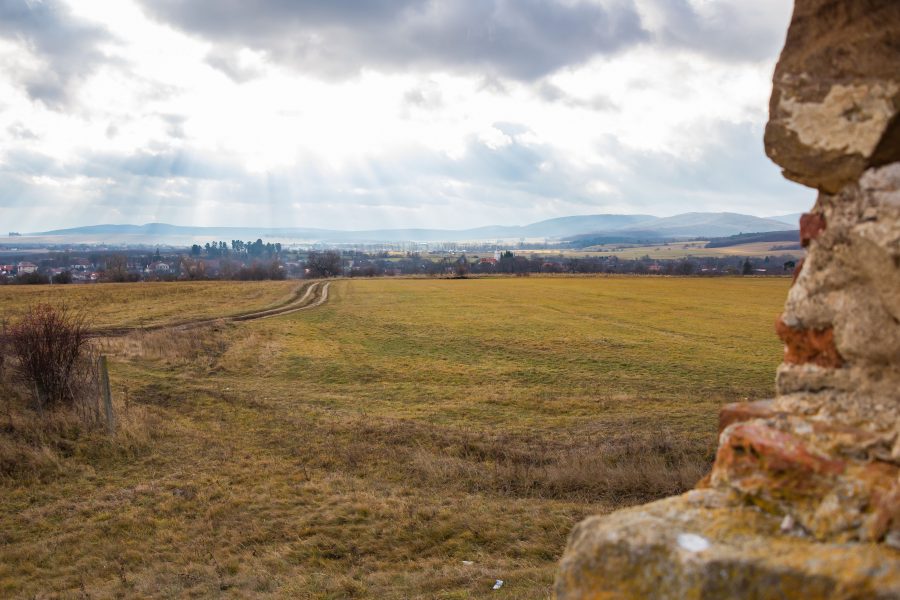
(305, 297)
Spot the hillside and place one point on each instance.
(752, 238)
(626, 227)
(790, 219)
(688, 225)
(697, 224)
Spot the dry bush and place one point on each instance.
(56, 372)
(50, 345)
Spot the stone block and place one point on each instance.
(700, 546)
(812, 345)
(738, 412)
(836, 95)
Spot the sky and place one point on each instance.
(385, 113)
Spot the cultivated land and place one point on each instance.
(676, 250)
(147, 304)
(368, 446)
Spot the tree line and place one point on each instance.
(238, 248)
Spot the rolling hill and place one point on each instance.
(622, 226)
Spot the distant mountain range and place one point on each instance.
(687, 225)
(791, 219)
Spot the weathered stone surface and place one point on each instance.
(738, 412)
(851, 276)
(700, 546)
(845, 304)
(802, 346)
(791, 466)
(796, 272)
(836, 97)
(811, 225)
(862, 398)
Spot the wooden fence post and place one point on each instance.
(38, 400)
(106, 393)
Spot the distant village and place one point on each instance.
(239, 260)
(215, 260)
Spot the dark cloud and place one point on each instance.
(518, 39)
(174, 125)
(230, 64)
(731, 173)
(493, 85)
(738, 30)
(68, 46)
(552, 93)
(20, 132)
(521, 39)
(425, 96)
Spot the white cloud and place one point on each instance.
(169, 124)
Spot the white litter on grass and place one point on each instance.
(787, 523)
(692, 542)
(893, 539)
(468, 562)
(498, 584)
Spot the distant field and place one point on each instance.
(677, 250)
(115, 304)
(368, 447)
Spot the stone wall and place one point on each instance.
(798, 478)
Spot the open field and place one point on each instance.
(677, 250)
(144, 304)
(367, 447)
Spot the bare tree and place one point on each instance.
(50, 345)
(193, 268)
(117, 268)
(324, 264)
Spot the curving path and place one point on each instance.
(305, 297)
(319, 297)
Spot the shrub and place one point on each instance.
(461, 270)
(324, 264)
(51, 348)
(62, 278)
(32, 278)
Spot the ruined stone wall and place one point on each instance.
(799, 477)
(828, 455)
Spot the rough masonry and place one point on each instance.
(803, 500)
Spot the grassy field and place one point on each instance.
(142, 304)
(678, 250)
(408, 439)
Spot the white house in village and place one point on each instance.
(26, 267)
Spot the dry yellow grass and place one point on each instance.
(149, 303)
(368, 447)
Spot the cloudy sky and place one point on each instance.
(384, 113)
